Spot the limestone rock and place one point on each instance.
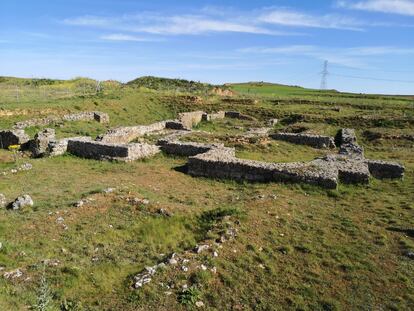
(22, 202)
(3, 201)
(13, 137)
(40, 144)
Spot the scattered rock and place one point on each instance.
(172, 260)
(272, 122)
(164, 212)
(22, 202)
(410, 254)
(108, 190)
(51, 262)
(3, 201)
(199, 304)
(14, 274)
(201, 248)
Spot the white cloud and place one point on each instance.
(355, 57)
(403, 7)
(212, 20)
(125, 37)
(298, 19)
(89, 20)
(170, 25)
(188, 24)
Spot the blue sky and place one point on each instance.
(368, 43)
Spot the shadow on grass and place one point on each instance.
(182, 169)
(408, 232)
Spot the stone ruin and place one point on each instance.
(215, 160)
(107, 151)
(13, 137)
(316, 141)
(98, 116)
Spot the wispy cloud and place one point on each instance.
(402, 7)
(355, 57)
(193, 24)
(265, 21)
(171, 25)
(125, 37)
(292, 18)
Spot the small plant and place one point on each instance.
(44, 297)
(70, 305)
(15, 149)
(189, 296)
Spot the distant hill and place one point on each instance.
(165, 84)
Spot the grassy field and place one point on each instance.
(298, 247)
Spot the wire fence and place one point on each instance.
(15, 93)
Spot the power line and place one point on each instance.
(324, 73)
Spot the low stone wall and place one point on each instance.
(39, 146)
(190, 119)
(316, 141)
(350, 170)
(381, 169)
(175, 125)
(13, 137)
(221, 163)
(106, 151)
(98, 116)
(124, 135)
(185, 148)
(60, 147)
(348, 143)
(238, 115)
(214, 116)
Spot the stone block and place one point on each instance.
(13, 137)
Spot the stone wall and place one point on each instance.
(221, 163)
(59, 147)
(214, 116)
(39, 146)
(175, 125)
(350, 170)
(13, 137)
(124, 135)
(185, 148)
(98, 116)
(316, 141)
(347, 140)
(190, 119)
(238, 115)
(381, 169)
(107, 151)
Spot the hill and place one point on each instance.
(165, 84)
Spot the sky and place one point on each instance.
(369, 44)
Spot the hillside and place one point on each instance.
(164, 84)
(96, 226)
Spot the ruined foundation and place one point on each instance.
(113, 152)
(316, 141)
(124, 135)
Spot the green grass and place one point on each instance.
(298, 247)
